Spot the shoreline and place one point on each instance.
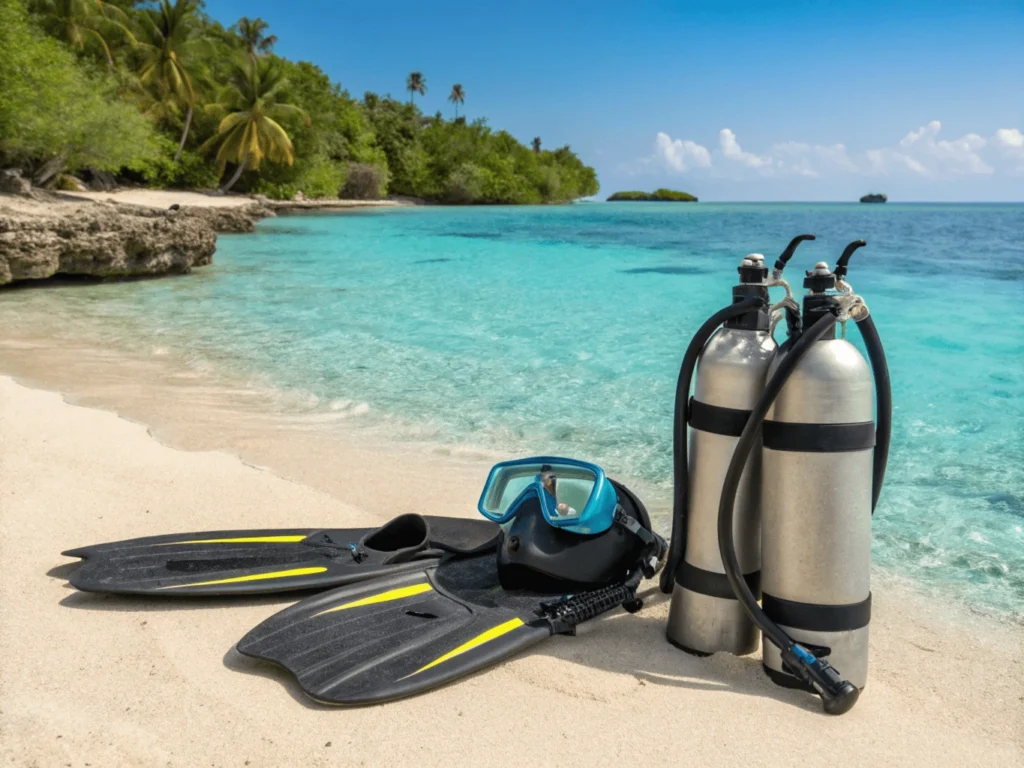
(42, 201)
(164, 198)
(130, 233)
(945, 686)
(192, 409)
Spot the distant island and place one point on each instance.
(662, 195)
(874, 198)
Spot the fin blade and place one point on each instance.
(390, 638)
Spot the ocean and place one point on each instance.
(560, 330)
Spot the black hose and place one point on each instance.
(883, 404)
(838, 695)
(680, 501)
(787, 254)
(844, 260)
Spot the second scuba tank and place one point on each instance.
(731, 364)
(817, 461)
(823, 463)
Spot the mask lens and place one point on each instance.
(571, 491)
(568, 489)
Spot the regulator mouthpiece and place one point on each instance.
(787, 254)
(844, 260)
(837, 695)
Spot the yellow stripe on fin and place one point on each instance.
(290, 539)
(485, 637)
(382, 597)
(253, 577)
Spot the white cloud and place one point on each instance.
(921, 152)
(680, 155)
(1010, 140)
(956, 156)
(732, 150)
(932, 129)
(1010, 144)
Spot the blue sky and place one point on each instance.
(728, 100)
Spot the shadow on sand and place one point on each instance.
(623, 644)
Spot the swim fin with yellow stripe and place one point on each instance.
(402, 635)
(264, 561)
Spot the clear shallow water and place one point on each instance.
(560, 330)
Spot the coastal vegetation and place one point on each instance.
(659, 195)
(159, 94)
(875, 197)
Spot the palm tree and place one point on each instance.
(456, 97)
(536, 144)
(252, 102)
(76, 22)
(252, 33)
(167, 40)
(415, 83)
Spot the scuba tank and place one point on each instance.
(732, 352)
(823, 462)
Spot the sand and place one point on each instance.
(105, 681)
(165, 198)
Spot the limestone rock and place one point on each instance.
(241, 219)
(102, 241)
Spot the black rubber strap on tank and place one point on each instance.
(716, 419)
(818, 438)
(713, 584)
(817, 618)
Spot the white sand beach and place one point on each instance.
(165, 198)
(105, 681)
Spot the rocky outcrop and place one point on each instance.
(102, 240)
(237, 219)
(12, 183)
(241, 219)
(875, 197)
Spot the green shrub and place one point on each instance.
(466, 184)
(52, 105)
(65, 183)
(274, 190)
(320, 177)
(192, 171)
(364, 182)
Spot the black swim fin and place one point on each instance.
(399, 636)
(264, 561)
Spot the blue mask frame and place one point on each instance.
(510, 483)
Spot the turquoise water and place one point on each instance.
(560, 330)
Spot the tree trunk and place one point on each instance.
(184, 134)
(237, 175)
(48, 170)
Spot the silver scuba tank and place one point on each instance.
(817, 461)
(705, 617)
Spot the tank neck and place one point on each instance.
(816, 306)
(756, 319)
